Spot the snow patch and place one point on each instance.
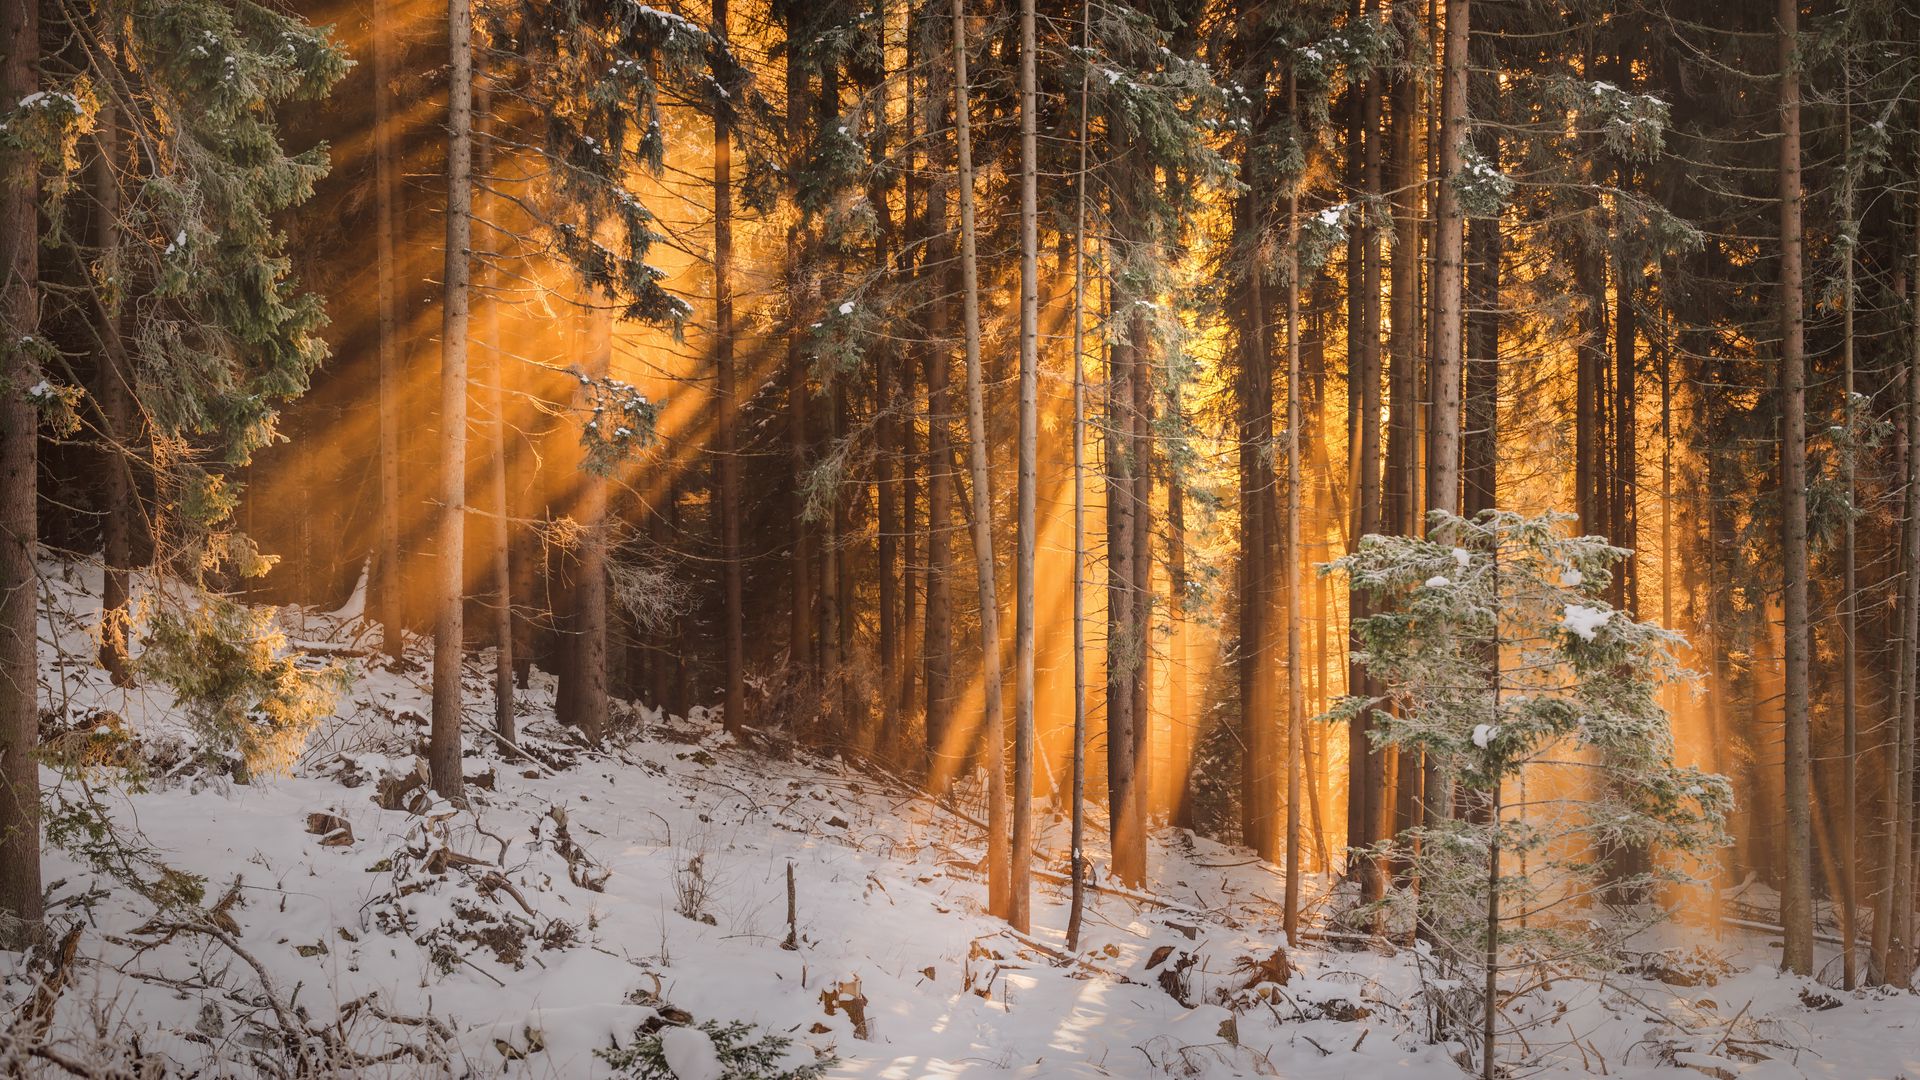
(1585, 621)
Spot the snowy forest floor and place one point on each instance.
(588, 894)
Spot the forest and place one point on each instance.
(727, 539)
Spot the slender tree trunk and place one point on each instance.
(800, 569)
(1290, 551)
(944, 753)
(1849, 853)
(20, 900)
(1077, 867)
(1255, 407)
(1481, 450)
(981, 478)
(387, 582)
(443, 756)
(1906, 713)
(1018, 902)
(499, 533)
(115, 395)
(727, 410)
(1796, 902)
(590, 573)
(1448, 312)
(1367, 808)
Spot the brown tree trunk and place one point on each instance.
(443, 756)
(20, 900)
(1796, 901)
(499, 531)
(386, 584)
(1290, 553)
(115, 395)
(733, 703)
(1019, 901)
(993, 724)
(800, 564)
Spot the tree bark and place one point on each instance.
(981, 479)
(1796, 902)
(115, 394)
(1076, 864)
(443, 755)
(800, 564)
(1018, 903)
(386, 584)
(1290, 553)
(21, 904)
(727, 410)
(499, 532)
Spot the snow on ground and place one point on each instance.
(583, 897)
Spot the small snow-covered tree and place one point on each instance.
(1499, 660)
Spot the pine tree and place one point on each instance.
(1571, 679)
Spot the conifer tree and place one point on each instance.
(1571, 679)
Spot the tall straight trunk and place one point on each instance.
(499, 534)
(1122, 648)
(1449, 314)
(999, 886)
(1401, 485)
(443, 755)
(1589, 404)
(1482, 437)
(1401, 499)
(828, 603)
(1179, 712)
(1849, 852)
(21, 904)
(1449, 273)
(1367, 808)
(800, 567)
(1256, 705)
(1290, 552)
(1590, 282)
(726, 381)
(115, 395)
(590, 573)
(386, 584)
(1076, 866)
(1626, 465)
(1130, 858)
(1018, 902)
(1906, 712)
(1796, 901)
(944, 756)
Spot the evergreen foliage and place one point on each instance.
(1499, 659)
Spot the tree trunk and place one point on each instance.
(386, 583)
(1849, 852)
(981, 479)
(1367, 815)
(1290, 552)
(1018, 902)
(943, 750)
(733, 703)
(1076, 864)
(115, 396)
(1448, 308)
(800, 564)
(1900, 781)
(499, 532)
(1796, 901)
(20, 899)
(443, 756)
